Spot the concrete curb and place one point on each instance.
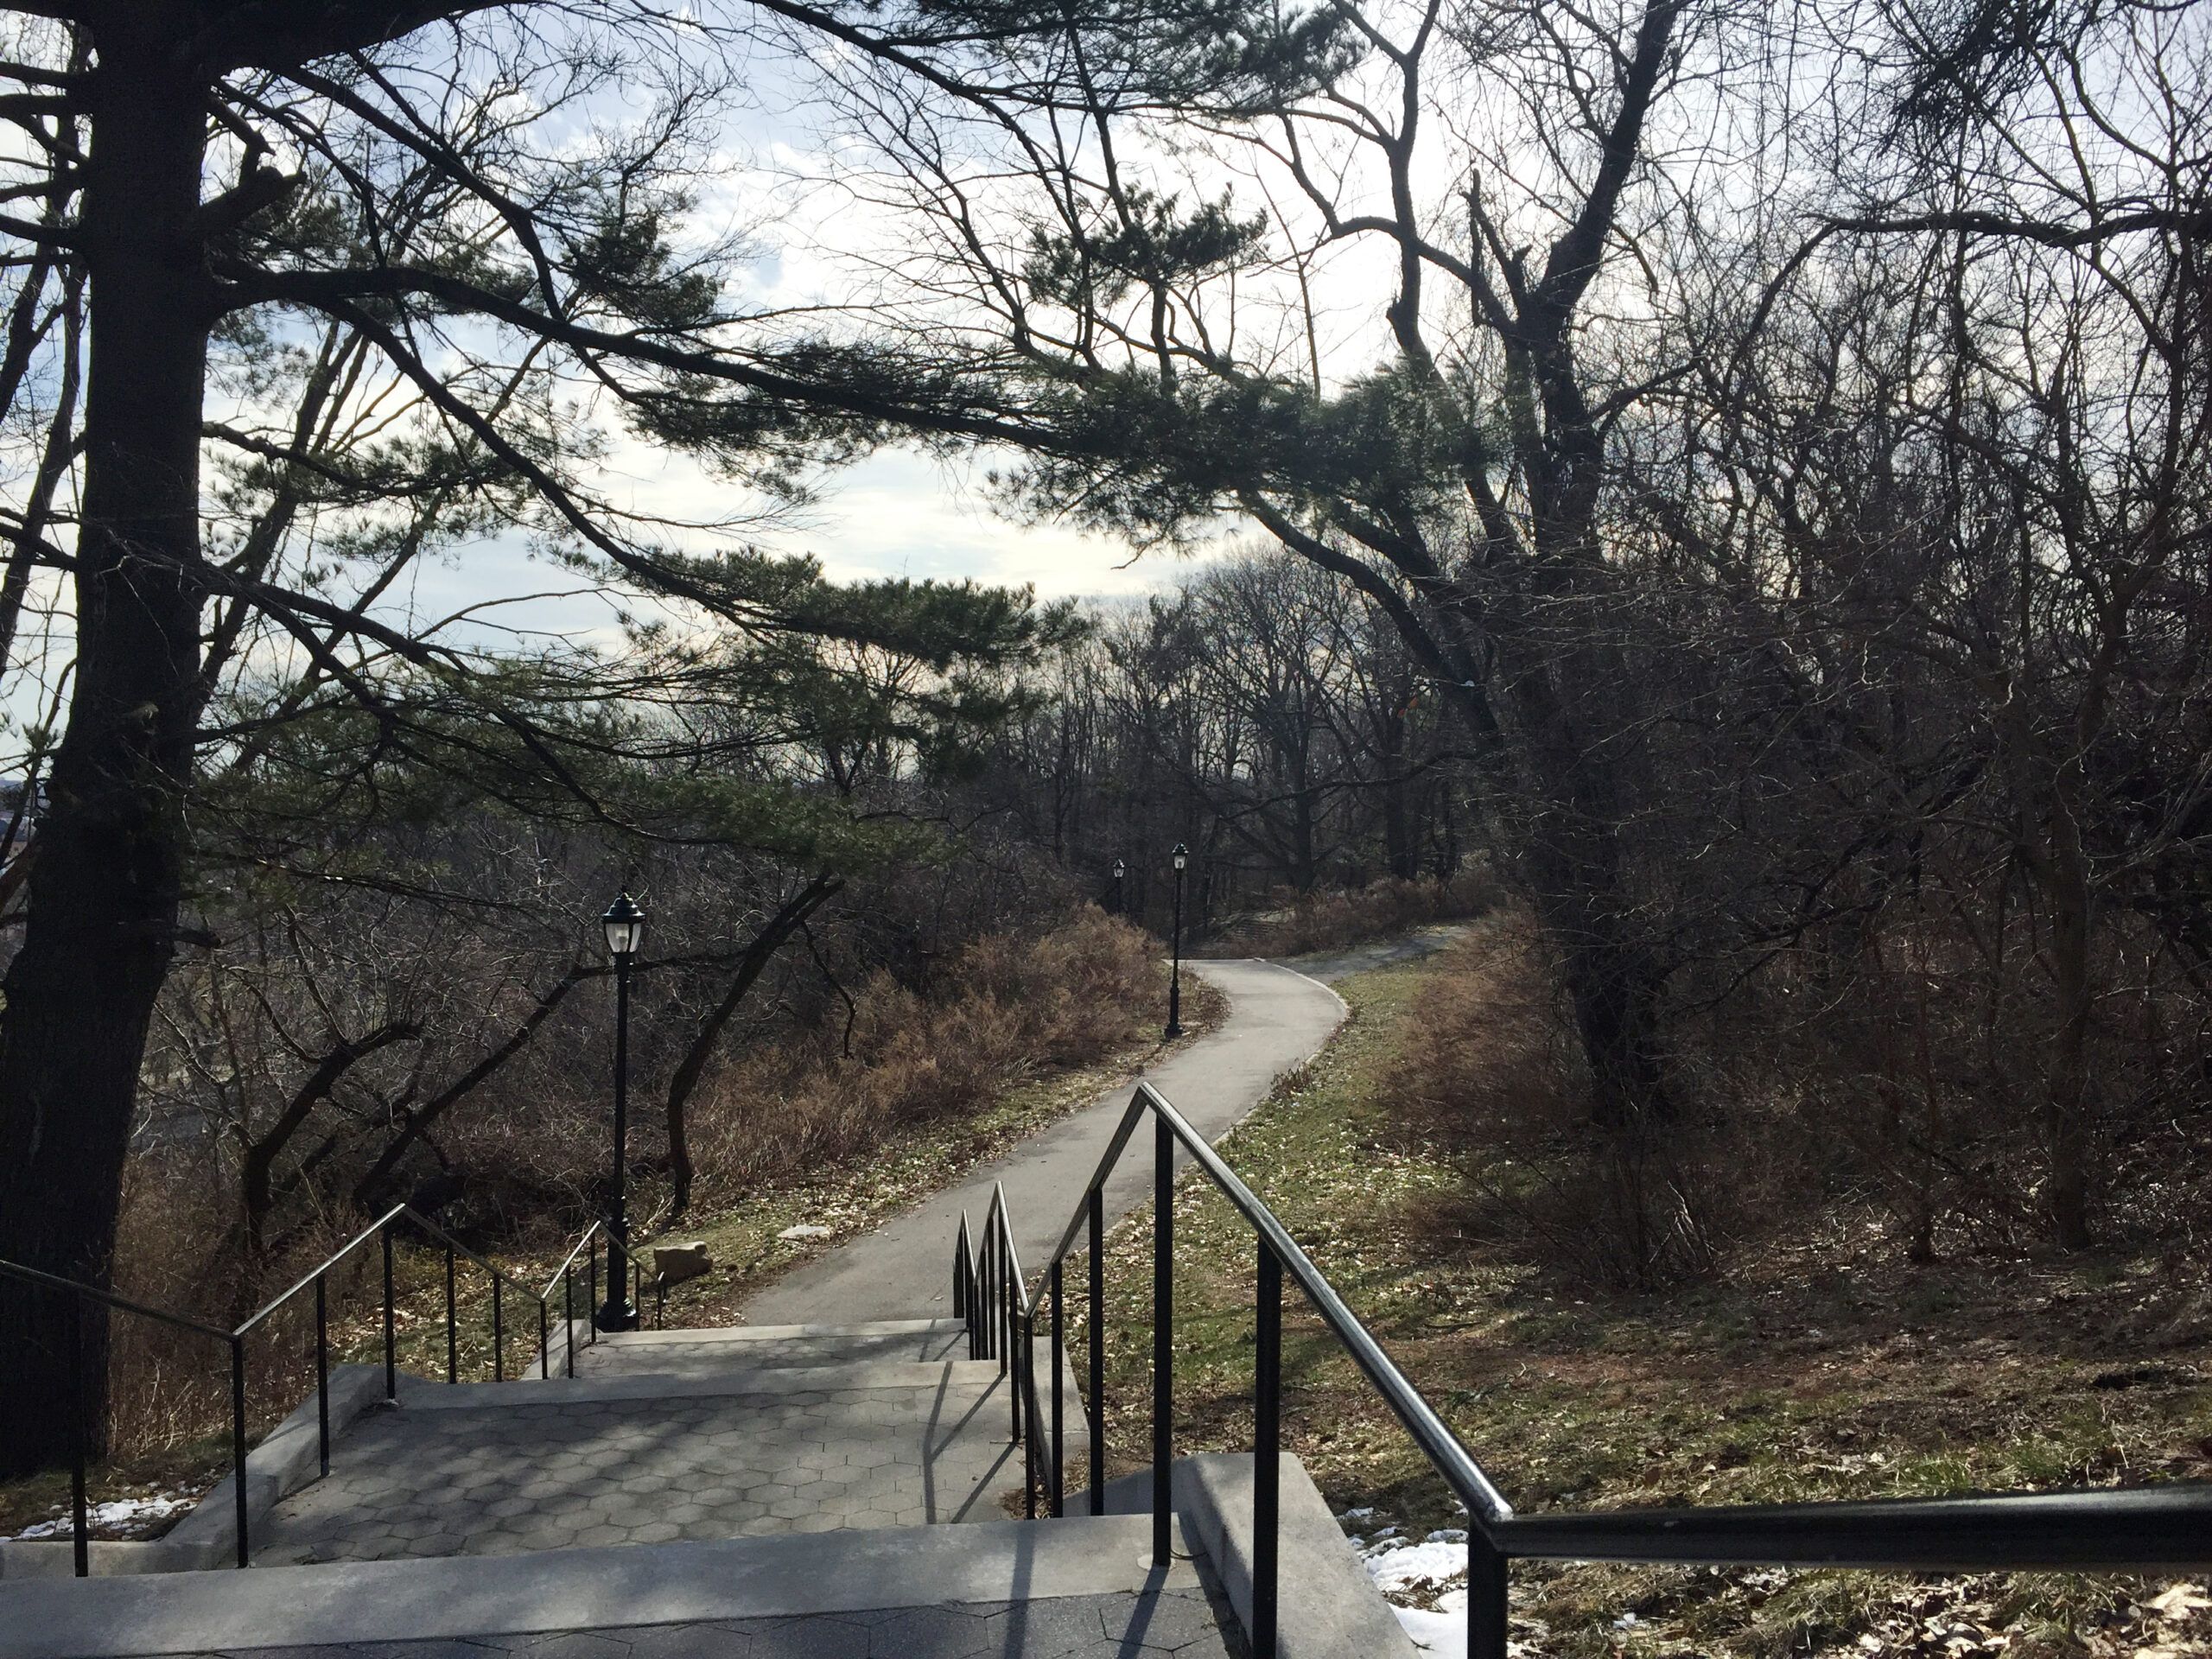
(581, 1589)
(1327, 1607)
(289, 1457)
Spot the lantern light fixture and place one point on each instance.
(625, 926)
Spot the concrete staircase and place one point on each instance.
(668, 1435)
(759, 1493)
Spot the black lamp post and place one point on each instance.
(1181, 857)
(625, 930)
(1120, 874)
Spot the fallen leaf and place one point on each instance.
(2179, 1601)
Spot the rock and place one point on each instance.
(674, 1264)
(805, 1229)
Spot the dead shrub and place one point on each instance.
(1004, 1007)
(1330, 921)
(1489, 1070)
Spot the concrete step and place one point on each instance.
(682, 1379)
(754, 1347)
(1082, 1588)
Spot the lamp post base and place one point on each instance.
(616, 1316)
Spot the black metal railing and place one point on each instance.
(74, 1298)
(2144, 1530)
(990, 1292)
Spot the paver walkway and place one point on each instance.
(1277, 1018)
(661, 1438)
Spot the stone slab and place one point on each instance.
(1326, 1606)
(1186, 1623)
(786, 1332)
(699, 1382)
(581, 1589)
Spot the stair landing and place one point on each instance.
(664, 1437)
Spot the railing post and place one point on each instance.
(991, 1286)
(79, 1529)
(568, 1314)
(1095, 1375)
(1029, 1441)
(545, 1344)
(1001, 1302)
(1485, 1597)
(1163, 1334)
(960, 1269)
(591, 1258)
(1267, 1454)
(1059, 1350)
(1011, 1365)
(237, 1444)
(322, 1371)
(391, 1347)
(453, 1344)
(499, 1336)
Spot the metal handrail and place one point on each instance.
(373, 1229)
(1015, 1285)
(590, 1233)
(990, 1293)
(316, 1280)
(2144, 1528)
(54, 1281)
(1465, 1476)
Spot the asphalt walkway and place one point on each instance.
(1278, 1017)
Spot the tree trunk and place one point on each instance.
(2066, 1103)
(787, 920)
(1400, 846)
(105, 890)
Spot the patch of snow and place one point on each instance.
(805, 1229)
(1440, 1633)
(134, 1514)
(1399, 1565)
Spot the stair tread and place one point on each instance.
(758, 1347)
(1000, 1562)
(673, 1382)
(783, 1332)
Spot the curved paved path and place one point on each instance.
(1277, 1018)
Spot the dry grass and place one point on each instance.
(1488, 1066)
(1005, 1010)
(1330, 921)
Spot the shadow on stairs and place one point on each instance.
(747, 1493)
